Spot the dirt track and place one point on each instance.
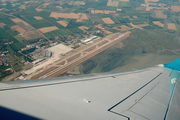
(102, 43)
(61, 63)
(90, 49)
(74, 57)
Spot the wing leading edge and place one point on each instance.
(142, 94)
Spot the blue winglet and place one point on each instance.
(175, 65)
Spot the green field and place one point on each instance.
(6, 35)
(59, 32)
(178, 27)
(37, 23)
(19, 38)
(53, 21)
(8, 22)
(123, 4)
(10, 31)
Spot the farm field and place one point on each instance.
(158, 23)
(113, 3)
(175, 8)
(68, 15)
(38, 17)
(83, 28)
(107, 32)
(171, 26)
(48, 29)
(63, 23)
(102, 11)
(160, 14)
(107, 21)
(122, 28)
(123, 4)
(18, 28)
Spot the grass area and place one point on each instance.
(10, 31)
(123, 4)
(97, 18)
(152, 41)
(6, 36)
(14, 60)
(8, 22)
(53, 21)
(29, 51)
(113, 30)
(59, 32)
(178, 27)
(19, 38)
(76, 30)
(37, 23)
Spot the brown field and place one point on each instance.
(160, 14)
(39, 10)
(76, 3)
(22, 7)
(146, 1)
(61, 63)
(79, 20)
(17, 20)
(48, 29)
(90, 49)
(29, 35)
(140, 25)
(79, 3)
(30, 1)
(107, 20)
(96, 11)
(124, 0)
(175, 8)
(84, 58)
(127, 33)
(83, 28)
(98, 26)
(74, 57)
(45, 4)
(102, 43)
(135, 17)
(101, 11)
(158, 23)
(69, 15)
(108, 11)
(171, 26)
(107, 32)
(18, 28)
(113, 3)
(62, 23)
(2, 24)
(123, 28)
(133, 25)
(44, 72)
(38, 17)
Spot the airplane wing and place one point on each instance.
(146, 94)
